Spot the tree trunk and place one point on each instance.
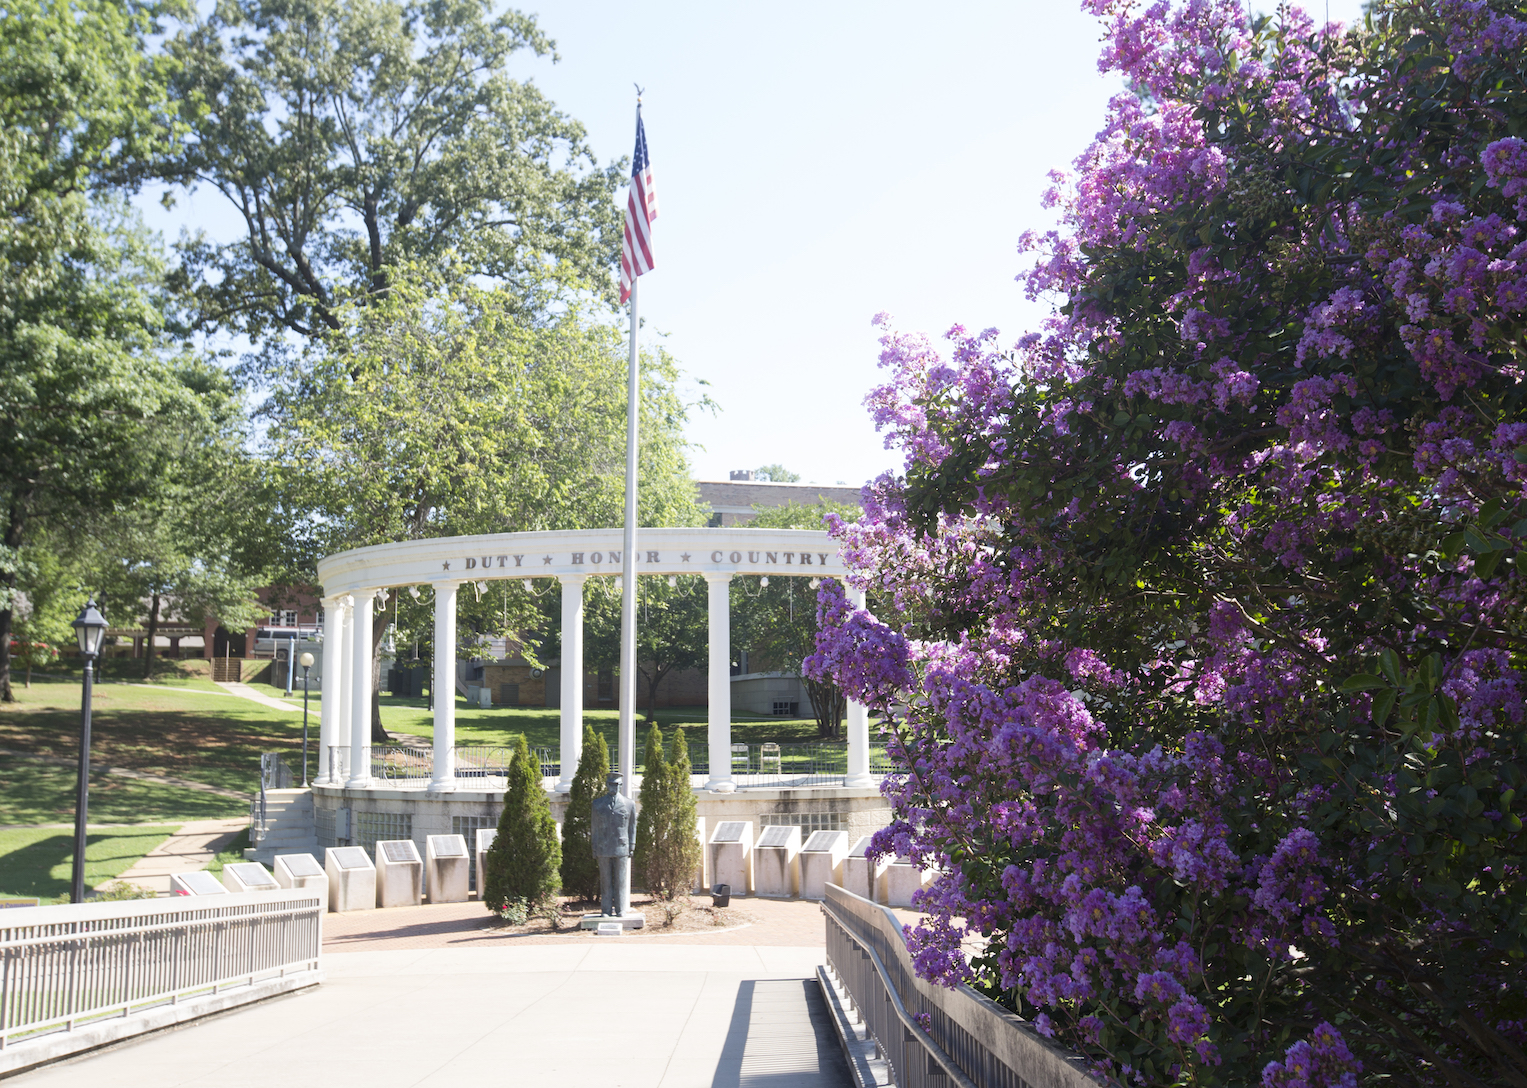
(828, 705)
(379, 622)
(153, 632)
(13, 527)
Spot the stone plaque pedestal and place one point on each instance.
(248, 876)
(352, 879)
(447, 868)
(399, 874)
(822, 862)
(860, 875)
(776, 864)
(485, 837)
(301, 871)
(901, 879)
(731, 856)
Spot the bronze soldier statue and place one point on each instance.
(613, 829)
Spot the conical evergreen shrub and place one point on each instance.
(675, 849)
(649, 802)
(524, 859)
(580, 871)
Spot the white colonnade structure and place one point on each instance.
(353, 580)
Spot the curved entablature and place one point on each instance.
(800, 552)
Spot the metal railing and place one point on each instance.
(927, 1034)
(64, 967)
(814, 764)
(274, 775)
(817, 764)
(487, 763)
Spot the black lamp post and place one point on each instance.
(90, 627)
(306, 661)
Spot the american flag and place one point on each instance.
(641, 210)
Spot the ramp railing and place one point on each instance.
(928, 1035)
(67, 967)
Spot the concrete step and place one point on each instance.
(266, 852)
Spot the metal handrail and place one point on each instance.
(914, 1030)
(994, 1048)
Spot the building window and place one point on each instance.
(607, 685)
(291, 619)
(467, 827)
(786, 710)
(275, 619)
(374, 827)
(806, 821)
(319, 619)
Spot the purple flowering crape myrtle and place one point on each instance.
(1196, 616)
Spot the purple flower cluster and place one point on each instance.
(1132, 560)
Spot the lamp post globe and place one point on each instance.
(90, 628)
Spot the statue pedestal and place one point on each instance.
(634, 920)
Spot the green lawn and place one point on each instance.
(43, 793)
(543, 725)
(179, 730)
(39, 861)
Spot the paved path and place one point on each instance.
(123, 772)
(616, 1014)
(192, 847)
(244, 691)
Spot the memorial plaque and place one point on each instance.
(779, 835)
(861, 848)
(352, 857)
(300, 865)
(611, 929)
(821, 842)
(400, 851)
(253, 875)
(202, 882)
(448, 846)
(729, 831)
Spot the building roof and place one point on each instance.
(738, 497)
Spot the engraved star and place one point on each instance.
(546, 560)
(446, 565)
(685, 557)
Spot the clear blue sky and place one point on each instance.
(817, 163)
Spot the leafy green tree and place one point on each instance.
(778, 474)
(669, 622)
(650, 800)
(778, 623)
(580, 871)
(438, 411)
(88, 404)
(523, 862)
(351, 137)
(675, 851)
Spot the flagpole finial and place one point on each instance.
(639, 92)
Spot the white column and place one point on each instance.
(720, 716)
(857, 723)
(443, 775)
(572, 678)
(342, 692)
(360, 692)
(328, 705)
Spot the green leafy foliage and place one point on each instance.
(523, 862)
(667, 851)
(579, 867)
(351, 137)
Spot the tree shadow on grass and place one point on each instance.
(44, 868)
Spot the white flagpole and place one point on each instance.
(628, 572)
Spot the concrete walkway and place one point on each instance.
(244, 691)
(613, 1013)
(190, 848)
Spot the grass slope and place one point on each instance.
(38, 861)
